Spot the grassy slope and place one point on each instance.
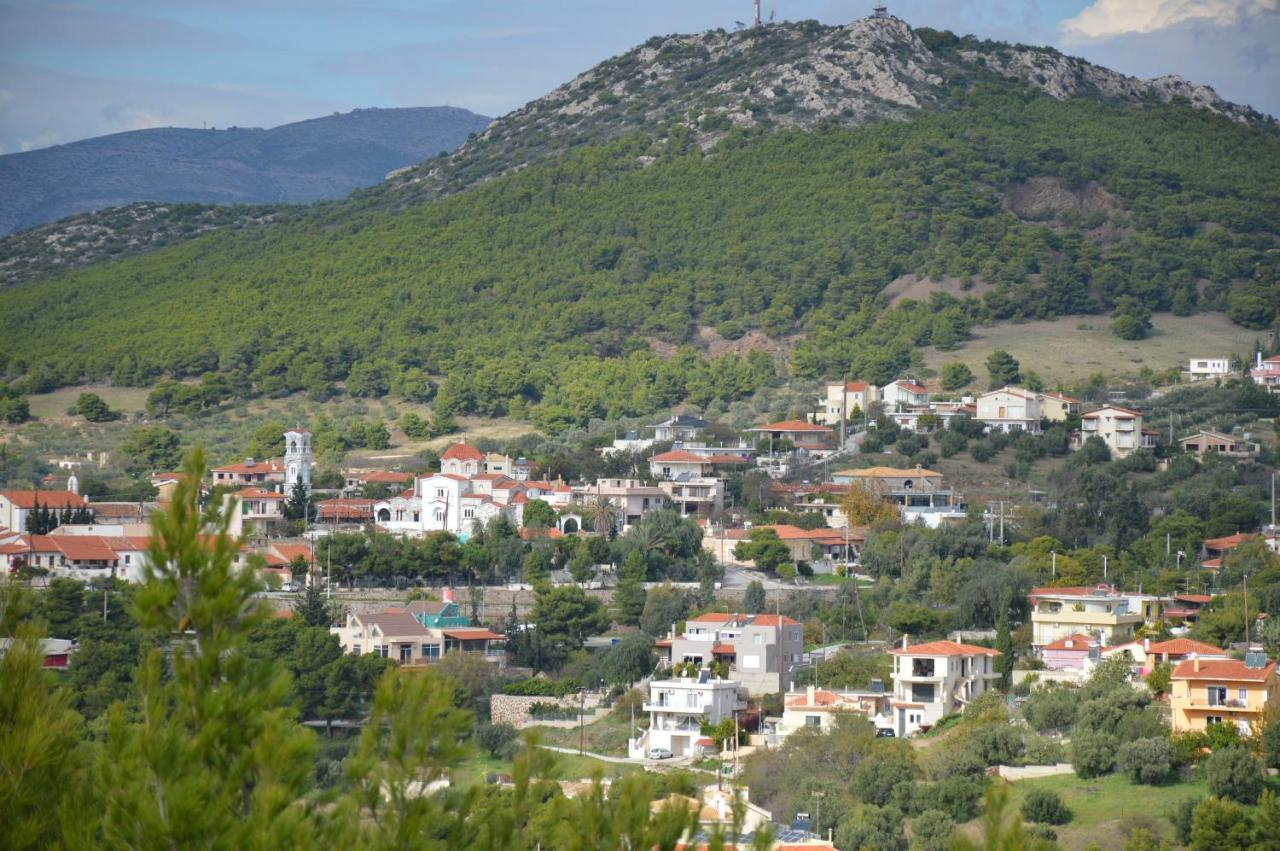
(1060, 352)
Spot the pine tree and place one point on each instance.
(628, 598)
(298, 505)
(1004, 643)
(313, 608)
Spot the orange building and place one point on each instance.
(1222, 691)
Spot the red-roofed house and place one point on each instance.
(1146, 654)
(462, 459)
(937, 678)
(762, 651)
(820, 709)
(1222, 691)
(1267, 372)
(345, 510)
(391, 478)
(797, 431)
(677, 463)
(1215, 548)
(903, 394)
(16, 506)
(255, 510)
(249, 472)
(1069, 653)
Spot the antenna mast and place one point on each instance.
(757, 13)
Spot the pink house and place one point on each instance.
(1070, 653)
(1267, 372)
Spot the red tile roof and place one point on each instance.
(1184, 647)
(679, 456)
(821, 697)
(910, 385)
(856, 386)
(463, 452)
(46, 499)
(1203, 599)
(791, 425)
(1079, 641)
(246, 467)
(259, 493)
(944, 648)
(390, 477)
(75, 547)
(1228, 542)
(1221, 669)
(472, 634)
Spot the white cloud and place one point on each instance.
(1105, 18)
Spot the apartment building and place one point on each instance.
(936, 679)
(1119, 428)
(1223, 691)
(1098, 612)
(762, 652)
(679, 707)
(843, 399)
(1009, 409)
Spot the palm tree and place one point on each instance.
(601, 513)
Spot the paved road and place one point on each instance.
(622, 760)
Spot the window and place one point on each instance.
(406, 652)
(355, 650)
(1242, 695)
(813, 721)
(468, 513)
(381, 650)
(440, 493)
(758, 638)
(691, 700)
(1217, 695)
(439, 515)
(1212, 719)
(922, 667)
(431, 651)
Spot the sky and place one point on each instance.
(71, 69)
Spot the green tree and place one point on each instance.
(1093, 754)
(753, 599)
(931, 831)
(298, 505)
(629, 660)
(1004, 644)
(629, 596)
(1235, 774)
(663, 607)
(956, 375)
(92, 407)
(872, 828)
(1131, 319)
(765, 550)
(1221, 825)
(153, 448)
(61, 607)
(566, 615)
(1045, 805)
(1146, 760)
(1002, 369)
(538, 512)
(267, 440)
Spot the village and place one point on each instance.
(725, 678)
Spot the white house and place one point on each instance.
(903, 393)
(1009, 409)
(1206, 369)
(936, 679)
(16, 506)
(1267, 372)
(679, 707)
(821, 709)
(679, 429)
(1119, 428)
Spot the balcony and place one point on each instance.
(1233, 705)
(674, 708)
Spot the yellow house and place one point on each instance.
(1222, 691)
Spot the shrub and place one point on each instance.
(1219, 824)
(1271, 745)
(1042, 805)
(1042, 832)
(1042, 750)
(956, 796)
(1051, 708)
(931, 831)
(997, 744)
(1093, 754)
(1233, 773)
(1146, 760)
(498, 740)
(1181, 817)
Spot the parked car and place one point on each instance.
(885, 733)
(289, 587)
(659, 753)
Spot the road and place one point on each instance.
(685, 761)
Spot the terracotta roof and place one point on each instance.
(472, 634)
(550, 532)
(47, 499)
(75, 547)
(1227, 542)
(727, 459)
(349, 509)
(259, 493)
(679, 456)
(1079, 641)
(752, 620)
(908, 385)
(1184, 647)
(389, 477)
(246, 467)
(821, 697)
(772, 620)
(1194, 598)
(791, 425)
(944, 648)
(723, 649)
(1012, 391)
(289, 552)
(1221, 669)
(463, 452)
(889, 473)
(133, 510)
(856, 386)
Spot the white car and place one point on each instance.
(288, 587)
(659, 753)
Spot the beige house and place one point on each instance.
(844, 399)
(249, 472)
(1056, 407)
(1061, 612)
(1119, 428)
(1009, 409)
(1223, 691)
(1215, 443)
(254, 510)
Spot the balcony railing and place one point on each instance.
(1240, 705)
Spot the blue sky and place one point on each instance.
(70, 69)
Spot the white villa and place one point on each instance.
(936, 679)
(679, 707)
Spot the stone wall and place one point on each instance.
(514, 709)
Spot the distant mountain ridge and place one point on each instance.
(321, 158)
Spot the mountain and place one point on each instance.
(700, 251)
(306, 161)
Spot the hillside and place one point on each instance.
(306, 161)
(623, 277)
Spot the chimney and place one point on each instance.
(1146, 645)
(1259, 359)
(906, 641)
(1195, 662)
(809, 692)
